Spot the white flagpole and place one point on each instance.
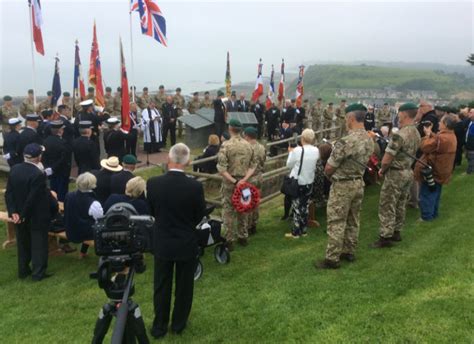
(131, 57)
(30, 15)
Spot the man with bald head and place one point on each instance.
(170, 114)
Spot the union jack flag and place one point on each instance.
(152, 21)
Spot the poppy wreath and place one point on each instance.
(238, 201)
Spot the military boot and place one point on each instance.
(382, 243)
(243, 242)
(396, 236)
(327, 264)
(348, 257)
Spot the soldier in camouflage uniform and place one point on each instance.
(236, 163)
(383, 115)
(90, 94)
(45, 104)
(180, 104)
(328, 115)
(109, 101)
(260, 155)
(144, 100)
(27, 106)
(66, 100)
(341, 119)
(396, 167)
(194, 104)
(345, 168)
(7, 111)
(118, 102)
(207, 102)
(160, 97)
(317, 114)
(308, 120)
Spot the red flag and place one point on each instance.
(258, 91)
(124, 90)
(300, 88)
(37, 21)
(95, 71)
(281, 86)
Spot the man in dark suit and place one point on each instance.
(65, 116)
(57, 158)
(177, 203)
(169, 112)
(119, 180)
(31, 206)
(243, 105)
(44, 129)
(231, 104)
(220, 114)
(30, 134)
(259, 110)
(110, 167)
(86, 151)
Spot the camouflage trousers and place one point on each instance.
(343, 210)
(327, 125)
(251, 218)
(342, 130)
(233, 221)
(393, 201)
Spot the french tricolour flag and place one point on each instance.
(259, 84)
(37, 21)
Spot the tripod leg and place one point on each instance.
(136, 323)
(103, 322)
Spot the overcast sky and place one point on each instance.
(199, 34)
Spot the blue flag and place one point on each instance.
(56, 85)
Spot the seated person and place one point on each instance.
(211, 150)
(134, 195)
(81, 210)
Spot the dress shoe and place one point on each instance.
(24, 275)
(348, 257)
(382, 243)
(46, 275)
(157, 333)
(243, 242)
(396, 236)
(327, 264)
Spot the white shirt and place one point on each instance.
(311, 156)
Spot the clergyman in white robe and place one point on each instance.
(151, 127)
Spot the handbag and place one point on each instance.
(290, 185)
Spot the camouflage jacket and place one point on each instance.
(144, 101)
(349, 153)
(194, 105)
(341, 114)
(328, 114)
(8, 112)
(317, 113)
(160, 99)
(406, 140)
(207, 103)
(109, 104)
(260, 156)
(27, 107)
(236, 157)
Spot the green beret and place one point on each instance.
(30, 91)
(90, 89)
(108, 89)
(129, 159)
(49, 93)
(355, 107)
(408, 106)
(66, 94)
(7, 98)
(251, 131)
(235, 123)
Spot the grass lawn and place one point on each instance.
(422, 290)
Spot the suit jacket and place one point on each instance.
(102, 191)
(178, 205)
(68, 135)
(27, 136)
(231, 106)
(168, 112)
(114, 143)
(219, 111)
(11, 145)
(243, 106)
(57, 155)
(28, 195)
(119, 180)
(86, 154)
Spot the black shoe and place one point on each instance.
(157, 333)
(24, 275)
(243, 242)
(68, 249)
(178, 332)
(348, 257)
(284, 217)
(46, 275)
(327, 264)
(382, 243)
(396, 236)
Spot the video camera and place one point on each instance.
(122, 232)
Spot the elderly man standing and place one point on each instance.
(30, 206)
(236, 163)
(396, 167)
(345, 168)
(178, 205)
(439, 151)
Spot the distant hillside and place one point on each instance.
(383, 82)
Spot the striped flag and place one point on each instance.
(56, 88)
(258, 91)
(125, 113)
(79, 89)
(152, 20)
(271, 90)
(95, 71)
(228, 83)
(300, 88)
(37, 22)
(281, 86)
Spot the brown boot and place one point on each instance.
(327, 264)
(382, 243)
(396, 236)
(348, 257)
(243, 242)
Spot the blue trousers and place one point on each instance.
(429, 201)
(60, 185)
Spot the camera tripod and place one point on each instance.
(129, 326)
